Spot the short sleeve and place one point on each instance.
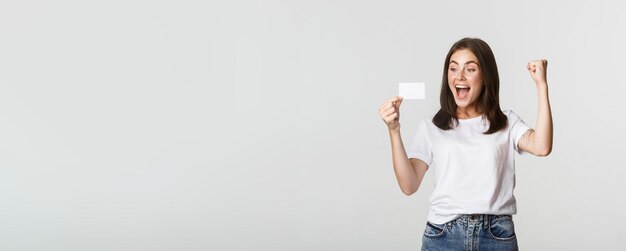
(518, 128)
(420, 147)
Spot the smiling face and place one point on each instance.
(465, 79)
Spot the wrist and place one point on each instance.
(394, 131)
(541, 83)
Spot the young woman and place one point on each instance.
(470, 144)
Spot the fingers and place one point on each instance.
(536, 63)
(398, 102)
(537, 70)
(533, 65)
(386, 106)
(391, 117)
(389, 110)
(395, 101)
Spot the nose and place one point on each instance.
(460, 75)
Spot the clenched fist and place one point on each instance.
(537, 70)
(390, 112)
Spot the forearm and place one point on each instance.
(407, 178)
(543, 128)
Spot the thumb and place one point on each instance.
(398, 102)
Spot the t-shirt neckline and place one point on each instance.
(469, 120)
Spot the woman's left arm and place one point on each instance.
(539, 141)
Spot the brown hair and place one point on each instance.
(488, 101)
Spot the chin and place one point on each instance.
(461, 104)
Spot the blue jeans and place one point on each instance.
(471, 232)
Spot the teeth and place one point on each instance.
(462, 86)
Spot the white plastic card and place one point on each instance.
(412, 90)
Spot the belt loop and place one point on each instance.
(486, 218)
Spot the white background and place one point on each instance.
(253, 125)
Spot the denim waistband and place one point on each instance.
(471, 219)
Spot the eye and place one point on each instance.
(471, 70)
(452, 69)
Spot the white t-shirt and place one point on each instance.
(474, 173)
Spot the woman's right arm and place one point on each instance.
(409, 172)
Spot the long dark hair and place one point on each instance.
(488, 101)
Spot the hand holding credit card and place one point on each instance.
(412, 90)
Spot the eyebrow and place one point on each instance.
(468, 62)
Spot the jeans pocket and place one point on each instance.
(434, 230)
(501, 227)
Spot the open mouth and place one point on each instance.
(462, 91)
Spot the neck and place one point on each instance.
(467, 112)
